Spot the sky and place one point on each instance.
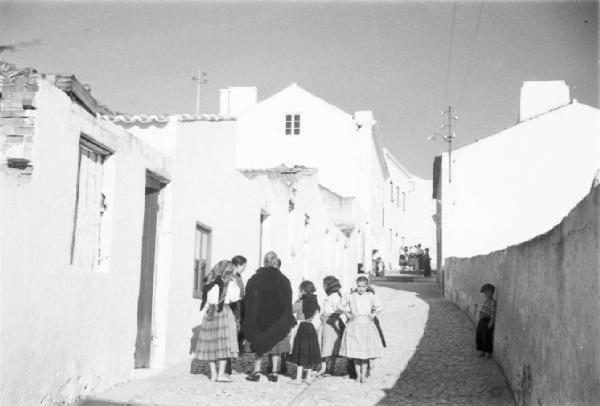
(405, 61)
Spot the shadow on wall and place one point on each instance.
(444, 367)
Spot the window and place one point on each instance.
(90, 205)
(397, 196)
(201, 258)
(292, 124)
(403, 201)
(391, 191)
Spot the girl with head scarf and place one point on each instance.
(217, 338)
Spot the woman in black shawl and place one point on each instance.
(268, 316)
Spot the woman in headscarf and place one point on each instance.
(217, 338)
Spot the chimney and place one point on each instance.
(237, 100)
(364, 118)
(538, 97)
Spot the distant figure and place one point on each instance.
(419, 255)
(380, 270)
(426, 263)
(484, 339)
(306, 352)
(268, 316)
(374, 258)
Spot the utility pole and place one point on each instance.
(448, 137)
(200, 80)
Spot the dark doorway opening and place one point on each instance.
(143, 342)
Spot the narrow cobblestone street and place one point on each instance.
(429, 360)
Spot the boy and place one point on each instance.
(484, 338)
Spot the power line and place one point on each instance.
(449, 66)
(470, 60)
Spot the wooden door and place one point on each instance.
(143, 342)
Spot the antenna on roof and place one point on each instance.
(201, 79)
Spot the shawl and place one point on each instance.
(310, 305)
(218, 281)
(267, 304)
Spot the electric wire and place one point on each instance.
(451, 45)
(470, 59)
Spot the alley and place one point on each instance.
(429, 361)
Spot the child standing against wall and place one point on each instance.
(361, 340)
(484, 338)
(306, 352)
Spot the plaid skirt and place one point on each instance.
(361, 339)
(217, 337)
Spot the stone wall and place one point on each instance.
(17, 119)
(547, 330)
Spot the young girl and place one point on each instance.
(305, 351)
(217, 338)
(361, 340)
(332, 327)
(484, 338)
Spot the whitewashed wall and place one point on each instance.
(516, 184)
(345, 155)
(206, 189)
(69, 330)
(411, 210)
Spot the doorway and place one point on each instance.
(143, 342)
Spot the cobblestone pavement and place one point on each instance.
(429, 360)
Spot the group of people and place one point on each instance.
(262, 318)
(418, 257)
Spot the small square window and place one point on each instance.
(292, 124)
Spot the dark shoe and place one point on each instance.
(273, 377)
(253, 377)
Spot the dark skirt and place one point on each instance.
(306, 351)
(484, 337)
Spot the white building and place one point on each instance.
(410, 208)
(108, 223)
(520, 182)
(294, 127)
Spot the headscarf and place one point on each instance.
(219, 282)
(333, 286)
